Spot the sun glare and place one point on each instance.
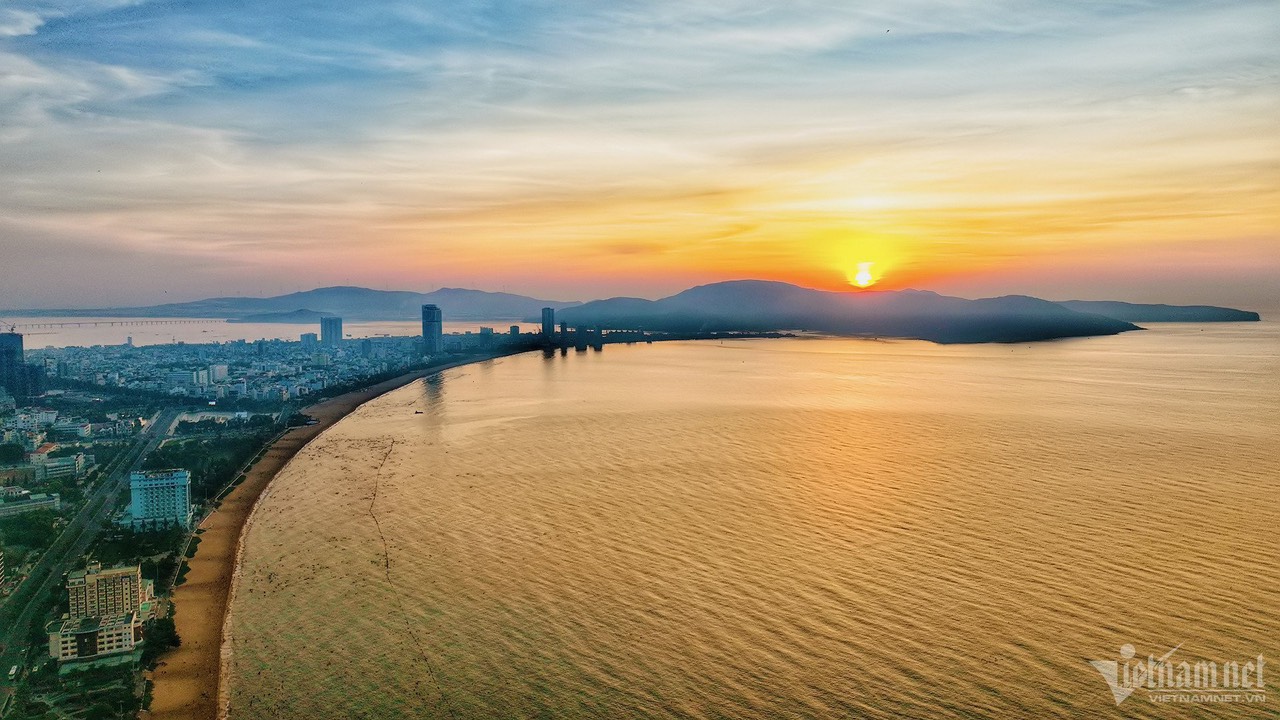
(864, 278)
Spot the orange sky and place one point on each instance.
(1128, 152)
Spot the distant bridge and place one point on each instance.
(111, 323)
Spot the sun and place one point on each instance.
(864, 278)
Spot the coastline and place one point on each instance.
(182, 687)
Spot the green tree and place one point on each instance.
(11, 453)
(31, 530)
(161, 636)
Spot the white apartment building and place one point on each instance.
(159, 499)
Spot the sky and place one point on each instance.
(166, 151)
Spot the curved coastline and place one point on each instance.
(181, 688)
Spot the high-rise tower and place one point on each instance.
(330, 331)
(548, 323)
(432, 329)
(15, 376)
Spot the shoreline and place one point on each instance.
(181, 682)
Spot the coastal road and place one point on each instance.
(31, 600)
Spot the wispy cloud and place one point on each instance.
(466, 140)
(18, 22)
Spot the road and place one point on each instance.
(30, 601)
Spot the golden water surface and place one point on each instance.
(802, 528)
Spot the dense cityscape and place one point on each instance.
(96, 517)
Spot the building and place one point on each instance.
(432, 329)
(180, 378)
(94, 592)
(218, 373)
(106, 609)
(159, 499)
(67, 467)
(16, 377)
(11, 364)
(30, 503)
(73, 426)
(331, 331)
(514, 331)
(548, 323)
(91, 637)
(309, 341)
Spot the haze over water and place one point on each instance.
(807, 528)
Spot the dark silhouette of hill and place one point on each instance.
(754, 305)
(1132, 312)
(746, 305)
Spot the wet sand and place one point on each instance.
(187, 679)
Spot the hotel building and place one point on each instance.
(159, 499)
(107, 609)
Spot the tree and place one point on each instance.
(161, 635)
(101, 711)
(32, 530)
(11, 453)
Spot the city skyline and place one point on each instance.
(565, 150)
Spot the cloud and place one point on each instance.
(326, 136)
(19, 22)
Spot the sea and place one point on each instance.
(787, 528)
(87, 331)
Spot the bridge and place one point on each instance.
(109, 323)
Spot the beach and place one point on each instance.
(187, 680)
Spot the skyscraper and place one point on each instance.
(432, 329)
(548, 322)
(13, 373)
(330, 331)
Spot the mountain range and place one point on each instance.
(745, 305)
(762, 305)
(353, 303)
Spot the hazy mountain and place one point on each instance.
(734, 305)
(759, 305)
(1131, 312)
(297, 317)
(354, 303)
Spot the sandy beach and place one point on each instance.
(187, 679)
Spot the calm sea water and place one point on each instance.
(89, 331)
(808, 528)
